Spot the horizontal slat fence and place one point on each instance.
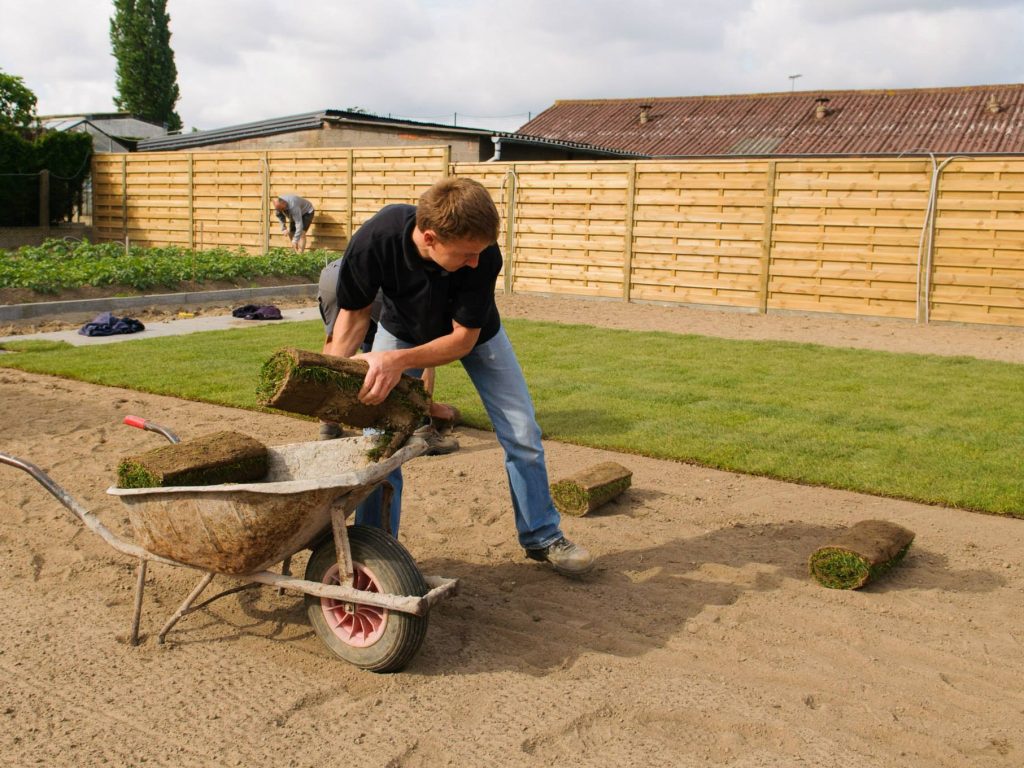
(844, 236)
(223, 199)
(979, 243)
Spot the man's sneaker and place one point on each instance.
(329, 431)
(566, 557)
(444, 425)
(437, 444)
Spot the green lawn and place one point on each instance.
(936, 429)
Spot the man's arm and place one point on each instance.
(386, 367)
(349, 332)
(280, 216)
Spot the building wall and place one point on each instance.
(465, 149)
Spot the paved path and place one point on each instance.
(173, 327)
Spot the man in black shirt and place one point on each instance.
(436, 265)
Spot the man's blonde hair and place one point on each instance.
(458, 209)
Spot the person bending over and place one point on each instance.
(436, 264)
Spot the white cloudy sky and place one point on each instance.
(494, 63)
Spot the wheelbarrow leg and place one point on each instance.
(140, 584)
(286, 570)
(193, 596)
(341, 545)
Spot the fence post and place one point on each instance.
(766, 237)
(510, 225)
(627, 261)
(124, 201)
(448, 161)
(191, 205)
(44, 200)
(351, 195)
(265, 204)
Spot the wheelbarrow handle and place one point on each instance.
(140, 423)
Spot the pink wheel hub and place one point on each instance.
(357, 625)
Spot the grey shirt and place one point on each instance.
(297, 208)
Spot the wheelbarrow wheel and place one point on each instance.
(364, 635)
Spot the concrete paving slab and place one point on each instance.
(174, 327)
(86, 309)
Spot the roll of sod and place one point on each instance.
(222, 457)
(327, 387)
(588, 489)
(860, 554)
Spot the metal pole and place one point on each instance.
(140, 584)
(44, 199)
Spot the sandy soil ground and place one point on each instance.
(697, 641)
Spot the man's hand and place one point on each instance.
(381, 378)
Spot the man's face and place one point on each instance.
(280, 205)
(451, 255)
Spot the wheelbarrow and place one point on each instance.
(365, 597)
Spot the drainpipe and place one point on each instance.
(496, 140)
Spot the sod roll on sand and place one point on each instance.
(588, 489)
(859, 554)
(221, 457)
(327, 387)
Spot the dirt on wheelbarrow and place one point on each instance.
(699, 640)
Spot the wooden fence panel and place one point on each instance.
(846, 236)
(223, 199)
(108, 196)
(228, 199)
(320, 176)
(393, 175)
(698, 228)
(499, 180)
(978, 264)
(569, 228)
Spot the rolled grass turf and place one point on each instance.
(327, 387)
(860, 554)
(590, 488)
(221, 457)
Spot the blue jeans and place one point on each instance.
(495, 372)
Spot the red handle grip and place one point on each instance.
(135, 421)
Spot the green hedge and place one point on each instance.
(65, 155)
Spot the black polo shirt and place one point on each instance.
(420, 298)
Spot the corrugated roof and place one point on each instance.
(61, 123)
(315, 120)
(306, 121)
(973, 119)
(303, 122)
(541, 141)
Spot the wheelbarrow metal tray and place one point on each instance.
(240, 528)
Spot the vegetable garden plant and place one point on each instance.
(57, 265)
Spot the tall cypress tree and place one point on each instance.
(146, 76)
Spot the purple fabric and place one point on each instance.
(105, 324)
(254, 312)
